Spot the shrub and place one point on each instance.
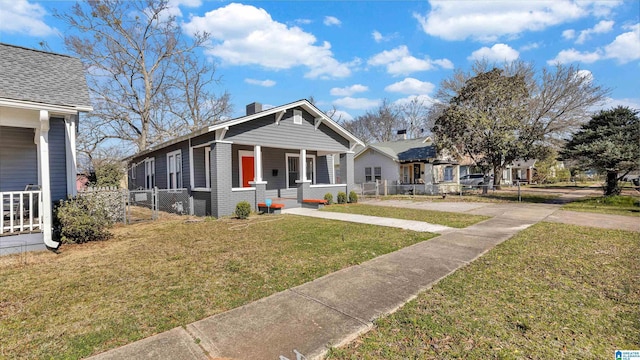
(243, 209)
(80, 220)
(342, 197)
(329, 198)
(353, 197)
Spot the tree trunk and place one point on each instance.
(612, 187)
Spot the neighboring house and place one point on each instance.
(406, 161)
(522, 171)
(41, 97)
(285, 153)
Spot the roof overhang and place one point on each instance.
(56, 109)
(369, 147)
(319, 116)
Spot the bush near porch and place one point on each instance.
(152, 277)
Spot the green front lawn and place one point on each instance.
(155, 276)
(615, 205)
(450, 219)
(553, 291)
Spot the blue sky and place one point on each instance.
(352, 54)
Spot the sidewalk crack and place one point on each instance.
(365, 323)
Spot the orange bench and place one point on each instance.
(273, 209)
(314, 203)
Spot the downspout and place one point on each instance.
(45, 181)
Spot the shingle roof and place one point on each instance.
(406, 150)
(42, 77)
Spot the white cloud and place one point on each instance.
(356, 103)
(498, 52)
(246, 35)
(531, 46)
(586, 74)
(349, 90)
(632, 103)
(569, 34)
(603, 26)
(340, 115)
(626, 46)
(265, 83)
(488, 21)
(423, 99)
(573, 55)
(23, 17)
(332, 21)
(303, 21)
(378, 37)
(400, 62)
(411, 86)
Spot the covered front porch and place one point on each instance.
(253, 173)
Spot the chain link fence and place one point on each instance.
(376, 189)
(114, 200)
(175, 201)
(141, 205)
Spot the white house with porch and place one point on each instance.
(41, 97)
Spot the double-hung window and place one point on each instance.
(174, 170)
(377, 173)
(149, 173)
(448, 173)
(372, 174)
(367, 174)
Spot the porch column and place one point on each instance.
(257, 163)
(303, 183)
(72, 163)
(346, 170)
(220, 175)
(258, 183)
(45, 179)
(303, 165)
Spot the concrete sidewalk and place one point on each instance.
(336, 308)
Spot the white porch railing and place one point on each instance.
(21, 211)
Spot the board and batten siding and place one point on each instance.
(18, 158)
(265, 132)
(371, 158)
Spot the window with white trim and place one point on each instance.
(133, 171)
(297, 117)
(372, 174)
(448, 173)
(377, 173)
(174, 170)
(207, 167)
(293, 165)
(149, 173)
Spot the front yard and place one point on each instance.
(158, 275)
(553, 291)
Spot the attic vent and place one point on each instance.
(297, 117)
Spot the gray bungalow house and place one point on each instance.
(41, 97)
(405, 162)
(285, 153)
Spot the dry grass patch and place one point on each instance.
(155, 276)
(553, 291)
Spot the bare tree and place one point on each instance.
(136, 57)
(561, 98)
(415, 116)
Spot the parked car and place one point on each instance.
(472, 180)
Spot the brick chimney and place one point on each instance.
(253, 108)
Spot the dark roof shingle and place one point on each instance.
(42, 77)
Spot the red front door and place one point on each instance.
(248, 170)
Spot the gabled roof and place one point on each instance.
(305, 104)
(404, 150)
(34, 76)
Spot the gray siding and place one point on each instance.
(245, 195)
(57, 159)
(322, 170)
(199, 168)
(265, 132)
(371, 158)
(18, 158)
(161, 165)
